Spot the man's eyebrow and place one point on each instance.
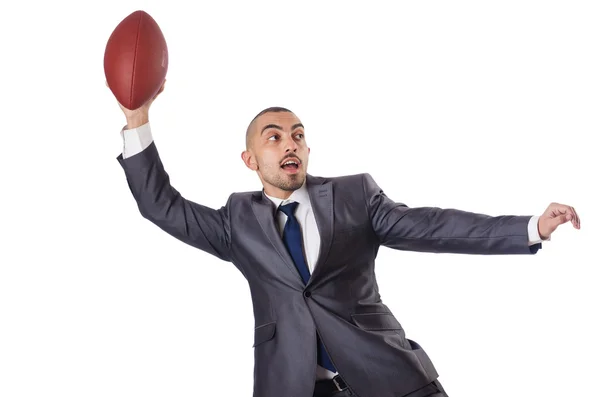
(266, 127)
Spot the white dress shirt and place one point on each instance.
(310, 238)
(137, 139)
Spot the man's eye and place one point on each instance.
(300, 136)
(273, 136)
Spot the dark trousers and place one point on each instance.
(434, 389)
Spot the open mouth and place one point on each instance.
(291, 165)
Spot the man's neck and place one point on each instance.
(278, 193)
(281, 194)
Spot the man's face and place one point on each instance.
(277, 151)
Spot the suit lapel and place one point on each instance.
(264, 210)
(321, 199)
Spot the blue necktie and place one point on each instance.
(292, 237)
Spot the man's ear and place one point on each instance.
(249, 160)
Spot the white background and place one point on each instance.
(490, 107)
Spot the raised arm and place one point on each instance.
(430, 229)
(202, 227)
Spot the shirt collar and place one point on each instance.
(299, 195)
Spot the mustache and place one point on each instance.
(291, 156)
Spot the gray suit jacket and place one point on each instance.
(341, 301)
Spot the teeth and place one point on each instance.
(290, 162)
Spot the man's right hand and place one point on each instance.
(138, 117)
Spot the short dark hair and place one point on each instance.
(272, 109)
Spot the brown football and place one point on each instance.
(136, 60)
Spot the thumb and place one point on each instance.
(559, 220)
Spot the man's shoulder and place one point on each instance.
(246, 196)
(340, 179)
(350, 180)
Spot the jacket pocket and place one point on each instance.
(386, 326)
(263, 333)
(376, 321)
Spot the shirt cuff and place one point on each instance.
(136, 140)
(532, 231)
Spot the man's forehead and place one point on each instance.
(282, 120)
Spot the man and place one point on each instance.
(307, 247)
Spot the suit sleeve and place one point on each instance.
(202, 227)
(432, 229)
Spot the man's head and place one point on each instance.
(276, 149)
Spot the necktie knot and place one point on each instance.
(289, 209)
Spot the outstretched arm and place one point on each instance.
(430, 229)
(159, 202)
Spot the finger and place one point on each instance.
(560, 219)
(576, 220)
(557, 211)
(571, 214)
(574, 215)
(561, 209)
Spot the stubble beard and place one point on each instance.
(287, 183)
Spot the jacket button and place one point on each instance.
(307, 294)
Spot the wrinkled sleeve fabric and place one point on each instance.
(437, 230)
(202, 227)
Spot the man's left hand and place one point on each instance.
(554, 216)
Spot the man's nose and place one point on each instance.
(291, 145)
